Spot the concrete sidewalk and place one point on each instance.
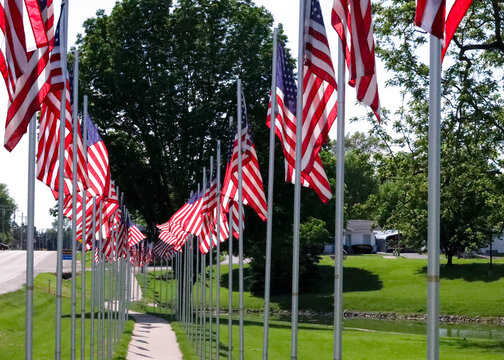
(153, 338)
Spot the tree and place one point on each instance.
(161, 80)
(7, 208)
(471, 131)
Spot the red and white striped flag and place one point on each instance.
(48, 146)
(441, 18)
(24, 56)
(285, 129)
(252, 184)
(352, 21)
(134, 234)
(319, 88)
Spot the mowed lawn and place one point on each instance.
(316, 343)
(12, 321)
(375, 284)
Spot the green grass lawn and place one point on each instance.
(375, 284)
(315, 342)
(12, 321)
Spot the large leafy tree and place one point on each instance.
(472, 128)
(161, 80)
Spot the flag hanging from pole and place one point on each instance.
(352, 21)
(434, 17)
(24, 58)
(134, 234)
(319, 88)
(48, 146)
(285, 129)
(253, 190)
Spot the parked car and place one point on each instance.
(4, 247)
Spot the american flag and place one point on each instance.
(48, 147)
(98, 161)
(252, 185)
(192, 221)
(352, 21)
(162, 250)
(319, 88)
(285, 129)
(134, 234)
(23, 61)
(433, 17)
(208, 236)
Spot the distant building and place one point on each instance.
(497, 246)
(360, 237)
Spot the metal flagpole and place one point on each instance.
(211, 272)
(93, 280)
(203, 286)
(297, 186)
(217, 269)
(61, 185)
(102, 286)
(30, 240)
(198, 322)
(230, 286)
(75, 124)
(84, 238)
(271, 174)
(191, 287)
(240, 217)
(340, 188)
(434, 199)
(154, 284)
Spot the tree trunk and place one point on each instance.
(449, 256)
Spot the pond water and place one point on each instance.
(408, 327)
(418, 327)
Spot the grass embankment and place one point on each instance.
(315, 342)
(12, 321)
(374, 284)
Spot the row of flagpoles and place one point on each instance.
(74, 164)
(73, 161)
(317, 98)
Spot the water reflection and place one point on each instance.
(405, 326)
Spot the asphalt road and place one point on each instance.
(13, 267)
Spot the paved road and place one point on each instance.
(13, 267)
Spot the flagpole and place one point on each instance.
(240, 220)
(198, 332)
(61, 185)
(102, 285)
(340, 188)
(75, 124)
(84, 238)
(93, 279)
(211, 272)
(217, 280)
(230, 286)
(297, 186)
(30, 239)
(230, 276)
(271, 174)
(434, 199)
(203, 287)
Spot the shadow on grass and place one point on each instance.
(320, 296)
(470, 272)
(484, 346)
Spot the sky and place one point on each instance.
(14, 168)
